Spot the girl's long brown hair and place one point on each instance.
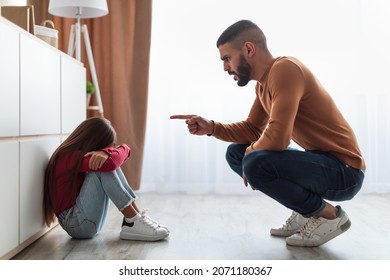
(92, 134)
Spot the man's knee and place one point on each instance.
(235, 152)
(258, 167)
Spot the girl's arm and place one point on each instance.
(105, 160)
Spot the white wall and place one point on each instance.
(346, 44)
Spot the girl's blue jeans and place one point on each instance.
(87, 217)
(300, 180)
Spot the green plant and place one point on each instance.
(90, 87)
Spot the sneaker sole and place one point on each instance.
(283, 233)
(141, 237)
(307, 243)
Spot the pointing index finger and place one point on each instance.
(182, 117)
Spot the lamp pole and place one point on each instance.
(78, 34)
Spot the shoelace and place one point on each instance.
(148, 222)
(310, 225)
(143, 214)
(289, 220)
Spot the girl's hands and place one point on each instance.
(97, 159)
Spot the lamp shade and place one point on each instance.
(78, 8)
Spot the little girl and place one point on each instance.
(81, 177)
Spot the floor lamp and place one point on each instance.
(79, 9)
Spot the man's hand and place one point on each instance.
(246, 181)
(196, 124)
(97, 159)
(247, 151)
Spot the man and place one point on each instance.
(290, 104)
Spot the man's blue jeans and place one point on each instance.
(300, 180)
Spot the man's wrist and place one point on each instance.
(212, 130)
(250, 148)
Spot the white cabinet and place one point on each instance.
(73, 101)
(43, 98)
(34, 156)
(9, 196)
(40, 88)
(9, 81)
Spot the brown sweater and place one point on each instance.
(292, 104)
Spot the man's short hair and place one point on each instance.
(240, 32)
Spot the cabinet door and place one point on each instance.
(73, 94)
(9, 199)
(34, 156)
(39, 87)
(9, 81)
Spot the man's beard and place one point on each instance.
(244, 72)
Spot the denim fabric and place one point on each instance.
(87, 217)
(300, 180)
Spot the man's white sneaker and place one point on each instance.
(142, 229)
(143, 213)
(292, 225)
(317, 231)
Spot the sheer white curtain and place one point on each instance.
(346, 43)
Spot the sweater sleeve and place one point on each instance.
(286, 88)
(271, 130)
(243, 132)
(116, 157)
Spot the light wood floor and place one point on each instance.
(223, 227)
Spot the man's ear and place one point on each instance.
(249, 49)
